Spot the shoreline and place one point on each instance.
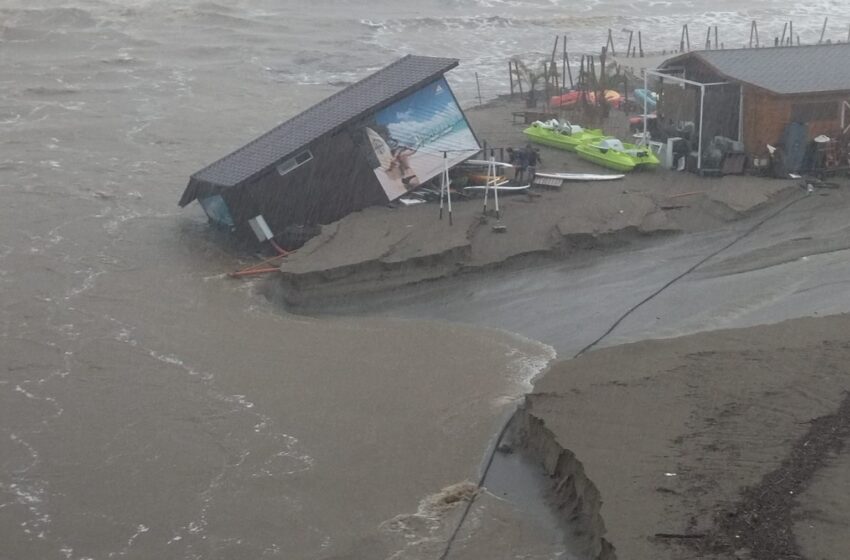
(730, 447)
(617, 492)
(381, 249)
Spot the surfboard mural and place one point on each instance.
(407, 139)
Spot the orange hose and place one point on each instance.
(251, 272)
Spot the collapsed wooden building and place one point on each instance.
(367, 144)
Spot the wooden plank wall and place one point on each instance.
(766, 116)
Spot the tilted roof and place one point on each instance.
(380, 88)
(783, 70)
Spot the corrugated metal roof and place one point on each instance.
(782, 70)
(320, 119)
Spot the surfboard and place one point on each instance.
(485, 163)
(500, 187)
(381, 148)
(581, 176)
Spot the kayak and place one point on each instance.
(647, 96)
(564, 136)
(580, 176)
(573, 98)
(616, 155)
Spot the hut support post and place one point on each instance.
(511, 77)
(640, 44)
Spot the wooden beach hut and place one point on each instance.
(364, 145)
(753, 95)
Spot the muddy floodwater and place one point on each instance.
(151, 407)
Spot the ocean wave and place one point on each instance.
(51, 91)
(50, 18)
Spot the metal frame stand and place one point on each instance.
(445, 190)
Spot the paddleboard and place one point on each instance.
(485, 163)
(500, 187)
(581, 176)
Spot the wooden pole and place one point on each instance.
(478, 85)
(553, 68)
(511, 76)
(716, 39)
(640, 43)
(784, 29)
(564, 66)
(610, 42)
(518, 78)
(629, 48)
(708, 38)
(567, 63)
(823, 30)
(791, 33)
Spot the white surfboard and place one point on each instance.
(381, 148)
(581, 176)
(485, 163)
(502, 187)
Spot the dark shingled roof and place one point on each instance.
(379, 88)
(782, 70)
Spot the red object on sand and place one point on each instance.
(572, 98)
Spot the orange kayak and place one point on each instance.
(573, 98)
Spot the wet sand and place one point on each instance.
(689, 440)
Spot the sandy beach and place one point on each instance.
(715, 445)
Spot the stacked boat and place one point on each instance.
(617, 155)
(592, 145)
(564, 136)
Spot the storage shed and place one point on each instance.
(755, 94)
(367, 144)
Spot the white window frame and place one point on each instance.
(290, 164)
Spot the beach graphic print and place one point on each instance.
(409, 138)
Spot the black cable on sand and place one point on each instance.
(654, 294)
(610, 329)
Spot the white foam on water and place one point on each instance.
(286, 460)
(430, 523)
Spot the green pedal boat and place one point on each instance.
(565, 136)
(614, 154)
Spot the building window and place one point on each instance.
(293, 162)
(814, 112)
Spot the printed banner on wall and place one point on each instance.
(408, 138)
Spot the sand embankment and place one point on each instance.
(382, 248)
(726, 444)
